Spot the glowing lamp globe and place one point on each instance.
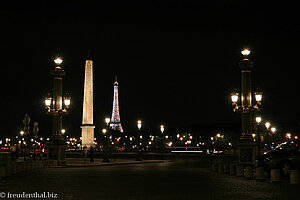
(258, 119)
(48, 102)
(258, 96)
(139, 124)
(246, 52)
(58, 61)
(234, 97)
(267, 124)
(67, 101)
(162, 128)
(107, 120)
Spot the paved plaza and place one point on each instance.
(177, 179)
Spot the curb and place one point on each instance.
(110, 164)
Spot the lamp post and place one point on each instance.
(267, 125)
(273, 130)
(21, 143)
(26, 123)
(57, 107)
(258, 122)
(162, 129)
(105, 139)
(247, 109)
(139, 140)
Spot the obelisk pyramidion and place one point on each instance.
(87, 128)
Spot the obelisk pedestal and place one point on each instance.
(87, 134)
(87, 128)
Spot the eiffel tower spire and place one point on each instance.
(115, 122)
(116, 80)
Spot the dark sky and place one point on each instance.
(176, 61)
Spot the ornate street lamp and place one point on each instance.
(268, 135)
(57, 106)
(139, 138)
(106, 140)
(247, 109)
(162, 129)
(258, 122)
(273, 137)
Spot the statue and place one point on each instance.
(35, 130)
(26, 122)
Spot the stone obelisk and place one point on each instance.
(87, 128)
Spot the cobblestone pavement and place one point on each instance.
(180, 179)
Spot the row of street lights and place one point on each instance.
(139, 137)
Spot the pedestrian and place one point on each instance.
(84, 153)
(13, 152)
(92, 154)
(17, 151)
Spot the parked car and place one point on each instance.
(285, 156)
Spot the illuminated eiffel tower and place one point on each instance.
(115, 122)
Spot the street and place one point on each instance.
(178, 179)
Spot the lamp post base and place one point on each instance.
(246, 150)
(56, 150)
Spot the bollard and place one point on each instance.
(8, 170)
(13, 168)
(31, 165)
(215, 167)
(34, 164)
(294, 176)
(226, 169)
(249, 172)
(2, 172)
(239, 170)
(275, 175)
(232, 170)
(27, 166)
(260, 174)
(221, 169)
(20, 167)
(40, 164)
(49, 163)
(44, 163)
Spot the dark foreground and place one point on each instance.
(179, 179)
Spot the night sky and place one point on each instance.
(176, 61)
